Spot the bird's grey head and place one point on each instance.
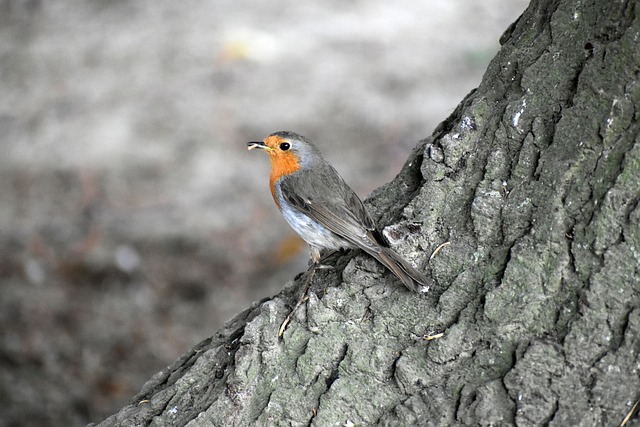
(285, 141)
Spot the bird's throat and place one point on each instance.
(282, 164)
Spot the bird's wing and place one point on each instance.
(332, 203)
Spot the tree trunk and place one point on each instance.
(534, 181)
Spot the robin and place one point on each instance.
(323, 209)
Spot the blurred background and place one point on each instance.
(133, 221)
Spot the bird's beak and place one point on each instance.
(258, 144)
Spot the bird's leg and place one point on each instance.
(321, 260)
(315, 263)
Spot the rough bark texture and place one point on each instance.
(535, 182)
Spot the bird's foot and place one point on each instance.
(322, 261)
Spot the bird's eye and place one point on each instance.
(285, 146)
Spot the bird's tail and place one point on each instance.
(412, 278)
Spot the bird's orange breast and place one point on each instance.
(283, 163)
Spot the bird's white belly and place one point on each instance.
(310, 230)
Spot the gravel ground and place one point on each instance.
(133, 222)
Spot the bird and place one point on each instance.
(320, 207)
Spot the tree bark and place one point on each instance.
(534, 181)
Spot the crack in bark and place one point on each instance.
(618, 331)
